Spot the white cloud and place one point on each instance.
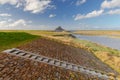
(5, 15)
(110, 3)
(12, 2)
(34, 6)
(117, 11)
(3, 23)
(79, 2)
(18, 24)
(29, 21)
(52, 15)
(42, 27)
(9, 20)
(89, 15)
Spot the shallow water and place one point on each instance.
(104, 40)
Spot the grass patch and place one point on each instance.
(93, 47)
(109, 33)
(14, 39)
(38, 32)
(98, 32)
(105, 54)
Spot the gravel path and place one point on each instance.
(17, 68)
(63, 52)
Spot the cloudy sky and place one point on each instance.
(70, 14)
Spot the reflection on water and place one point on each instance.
(104, 40)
